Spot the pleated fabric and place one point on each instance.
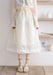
(25, 38)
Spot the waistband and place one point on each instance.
(24, 7)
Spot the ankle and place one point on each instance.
(20, 65)
(26, 65)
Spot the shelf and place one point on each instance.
(45, 36)
(46, 19)
(45, 2)
(46, 51)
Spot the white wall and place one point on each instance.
(7, 58)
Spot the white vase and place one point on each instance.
(50, 47)
(48, 14)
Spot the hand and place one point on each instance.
(13, 27)
(37, 27)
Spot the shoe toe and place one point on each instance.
(26, 69)
(20, 69)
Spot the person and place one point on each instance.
(25, 22)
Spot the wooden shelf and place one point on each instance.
(45, 19)
(45, 2)
(46, 36)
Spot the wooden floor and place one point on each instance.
(34, 70)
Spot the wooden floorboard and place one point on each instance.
(1, 67)
(17, 73)
(38, 70)
(48, 70)
(34, 70)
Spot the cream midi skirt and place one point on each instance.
(25, 38)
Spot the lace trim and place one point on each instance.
(25, 49)
(28, 46)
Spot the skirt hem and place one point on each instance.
(24, 52)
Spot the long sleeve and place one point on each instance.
(34, 11)
(13, 13)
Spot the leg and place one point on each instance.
(26, 68)
(20, 67)
(19, 58)
(27, 59)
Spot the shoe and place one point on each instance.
(26, 69)
(20, 68)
